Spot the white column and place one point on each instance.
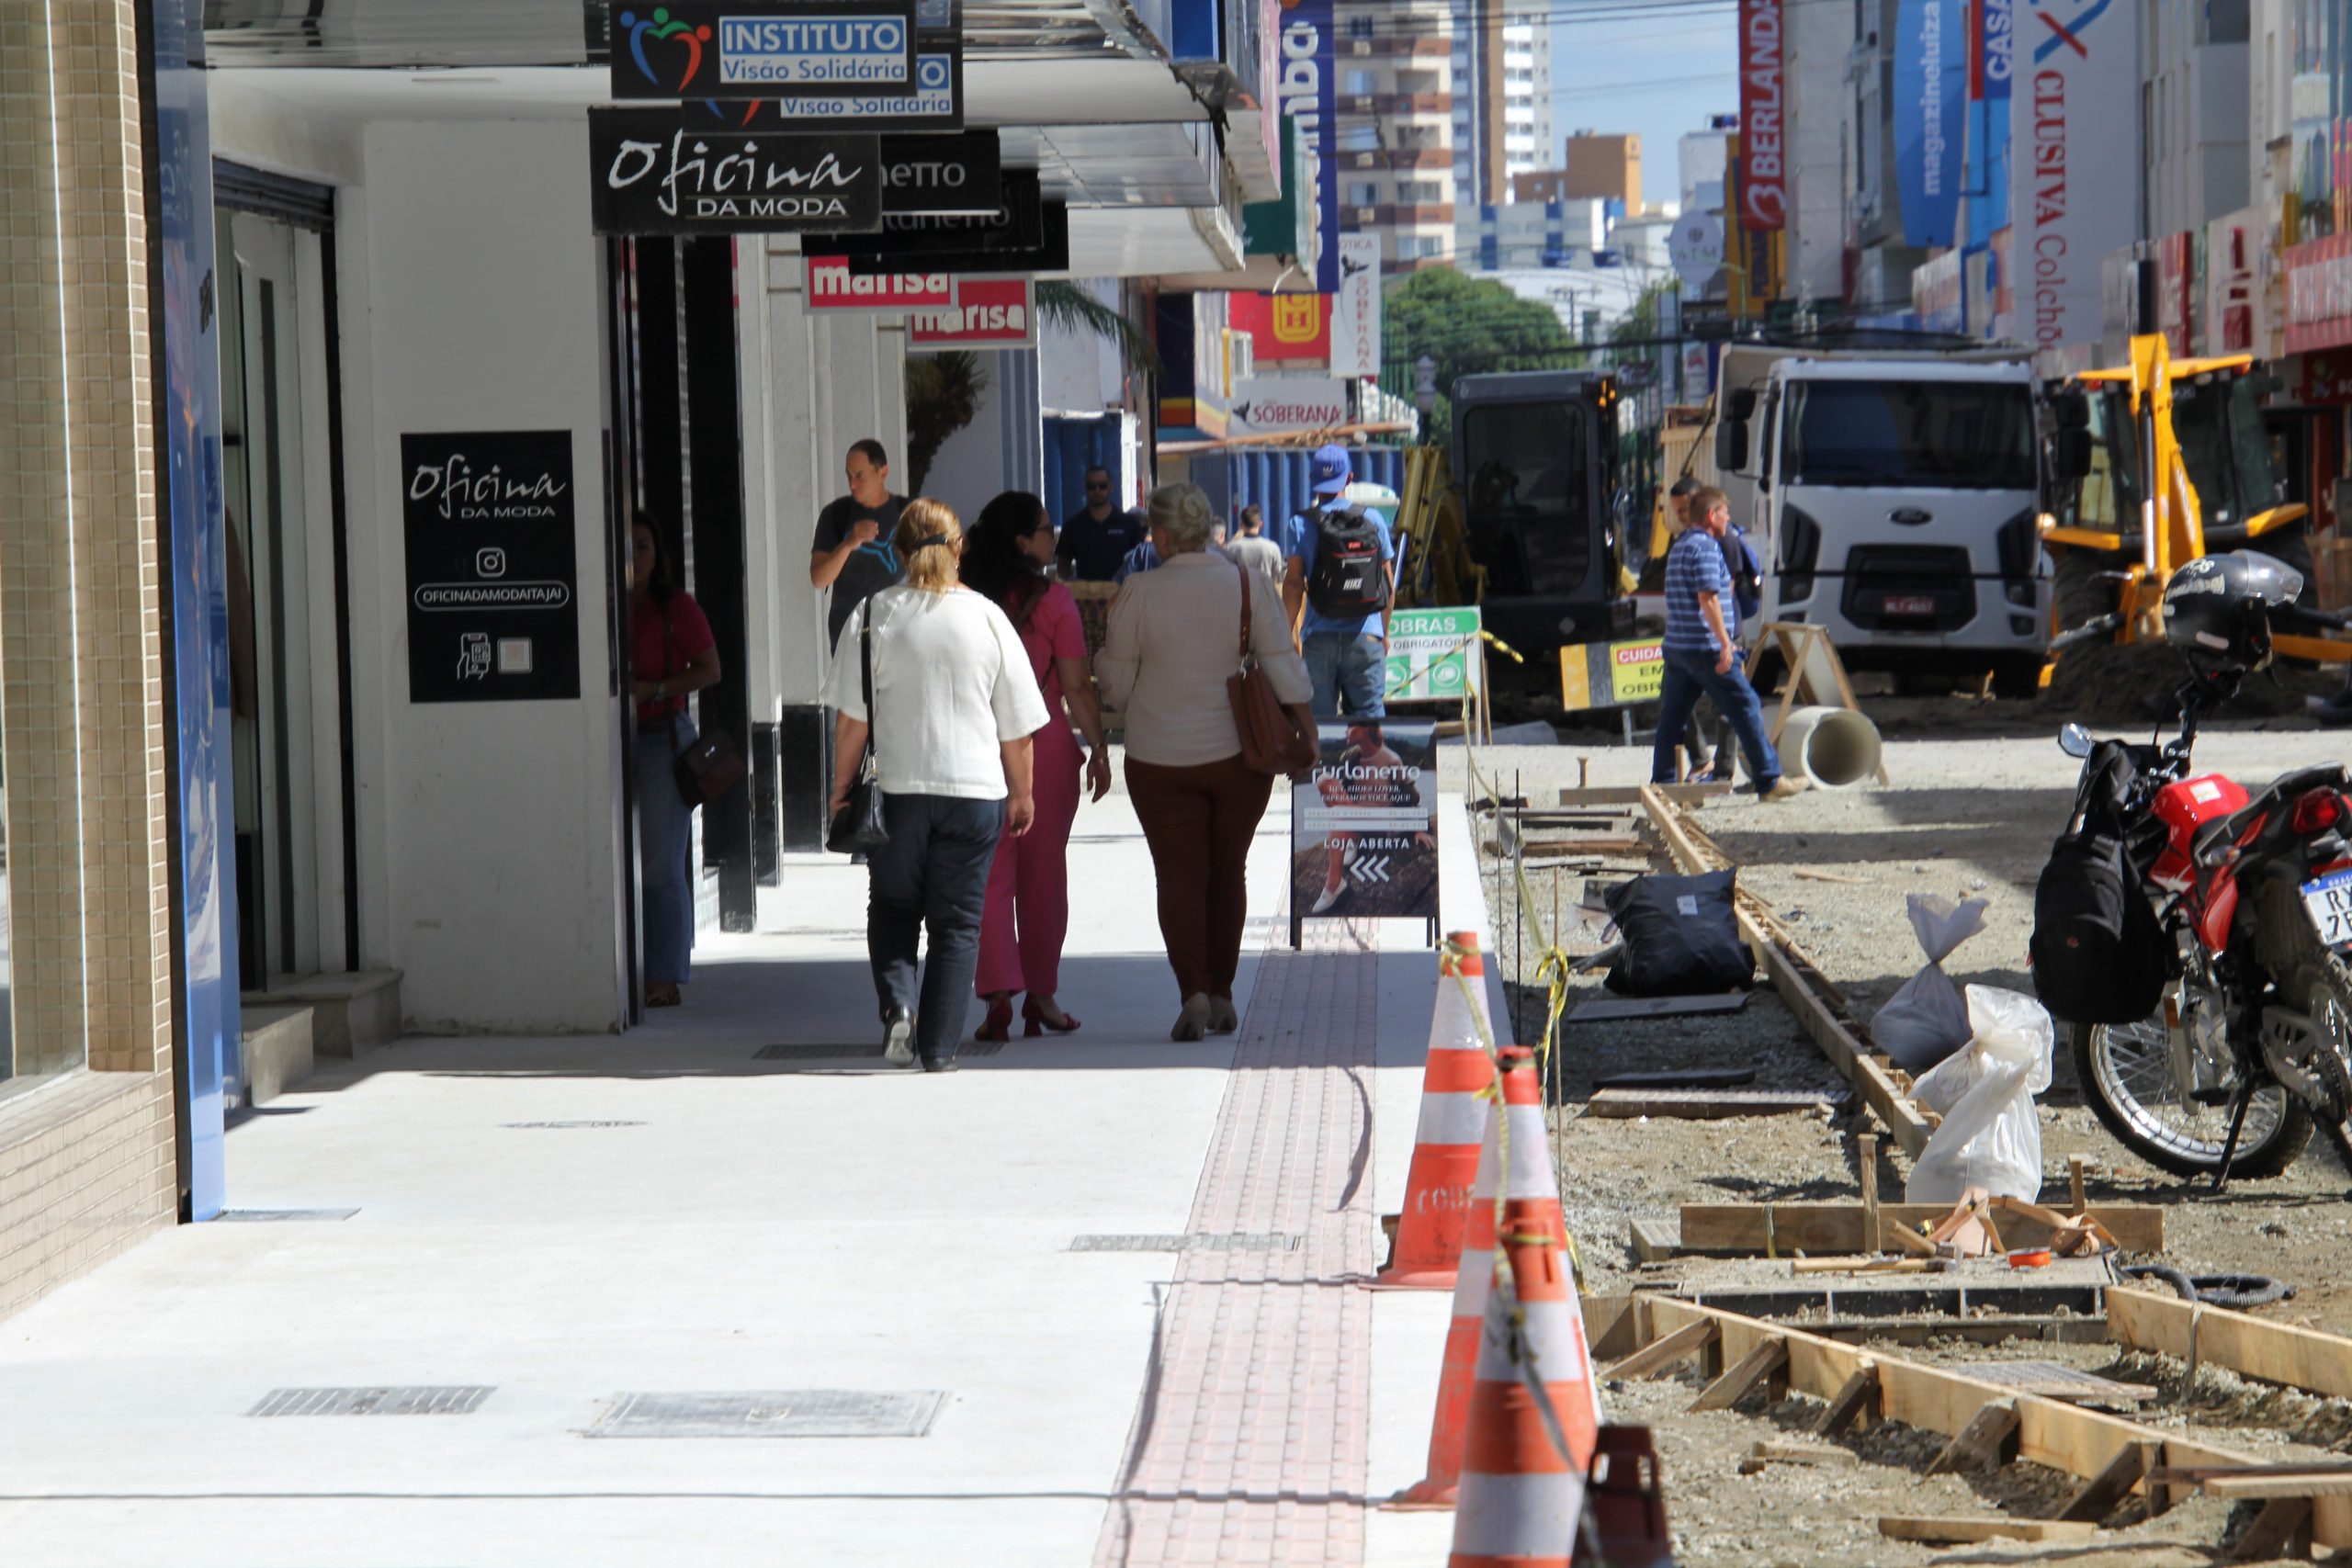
(801, 471)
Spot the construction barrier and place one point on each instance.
(1456, 1090)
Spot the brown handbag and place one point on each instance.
(1272, 741)
(711, 766)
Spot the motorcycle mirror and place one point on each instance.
(2075, 740)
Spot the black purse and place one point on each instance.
(858, 826)
(711, 766)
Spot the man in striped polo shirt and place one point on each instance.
(1703, 651)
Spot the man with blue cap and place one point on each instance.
(1341, 569)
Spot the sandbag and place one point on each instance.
(1991, 1135)
(1680, 935)
(1927, 1020)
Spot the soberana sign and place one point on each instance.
(758, 49)
(2073, 141)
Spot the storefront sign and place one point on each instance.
(936, 104)
(960, 175)
(828, 285)
(988, 313)
(2233, 282)
(2174, 277)
(1363, 826)
(1930, 103)
(1611, 674)
(1936, 293)
(1355, 312)
(655, 172)
(2326, 378)
(916, 242)
(1283, 328)
(1264, 404)
(2074, 138)
(1309, 95)
(1763, 177)
(1434, 656)
(759, 49)
(493, 585)
(2319, 293)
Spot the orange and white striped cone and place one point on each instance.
(1454, 1118)
(1532, 1190)
(1534, 1414)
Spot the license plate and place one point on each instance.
(1908, 605)
(2328, 902)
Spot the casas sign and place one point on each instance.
(1763, 171)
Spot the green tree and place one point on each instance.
(1469, 326)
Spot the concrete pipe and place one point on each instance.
(1832, 747)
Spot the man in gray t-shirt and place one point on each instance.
(1253, 549)
(852, 552)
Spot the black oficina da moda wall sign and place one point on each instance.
(674, 171)
(493, 612)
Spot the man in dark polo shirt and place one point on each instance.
(852, 553)
(1097, 537)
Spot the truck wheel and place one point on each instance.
(2017, 676)
(2079, 590)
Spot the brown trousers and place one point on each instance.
(1199, 822)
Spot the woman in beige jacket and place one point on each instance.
(1173, 640)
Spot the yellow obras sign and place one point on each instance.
(1611, 674)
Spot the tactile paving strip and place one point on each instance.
(1251, 1443)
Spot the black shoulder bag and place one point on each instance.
(858, 825)
(711, 766)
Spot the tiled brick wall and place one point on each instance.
(86, 1164)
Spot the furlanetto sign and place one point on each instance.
(2075, 119)
(1763, 173)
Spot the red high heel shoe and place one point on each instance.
(998, 1025)
(1035, 1017)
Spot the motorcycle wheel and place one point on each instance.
(2125, 1071)
(2324, 988)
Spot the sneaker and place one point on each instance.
(1330, 896)
(938, 1064)
(899, 1037)
(1783, 788)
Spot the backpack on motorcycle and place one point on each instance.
(2097, 951)
(1348, 580)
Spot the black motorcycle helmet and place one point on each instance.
(2218, 606)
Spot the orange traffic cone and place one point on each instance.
(1624, 1516)
(1445, 1148)
(1534, 1414)
(1533, 1191)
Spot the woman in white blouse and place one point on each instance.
(1173, 639)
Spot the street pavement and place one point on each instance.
(566, 1221)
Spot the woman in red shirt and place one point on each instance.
(672, 656)
(1028, 915)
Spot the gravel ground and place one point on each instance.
(1971, 812)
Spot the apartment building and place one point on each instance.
(1397, 148)
(1502, 115)
(1593, 167)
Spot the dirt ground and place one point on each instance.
(1970, 813)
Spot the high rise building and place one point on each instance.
(1502, 111)
(1397, 151)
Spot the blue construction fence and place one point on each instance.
(1279, 481)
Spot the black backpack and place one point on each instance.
(1348, 579)
(2099, 952)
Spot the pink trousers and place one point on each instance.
(1028, 907)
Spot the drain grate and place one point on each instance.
(786, 1413)
(419, 1400)
(571, 1124)
(1198, 1241)
(260, 1216)
(815, 1053)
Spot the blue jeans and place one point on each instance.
(1689, 676)
(664, 846)
(932, 872)
(1350, 670)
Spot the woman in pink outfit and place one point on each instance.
(1006, 558)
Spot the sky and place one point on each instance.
(1655, 77)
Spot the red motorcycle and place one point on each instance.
(2194, 939)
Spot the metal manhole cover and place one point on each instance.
(418, 1400)
(523, 1124)
(1198, 1241)
(814, 1053)
(779, 1413)
(258, 1216)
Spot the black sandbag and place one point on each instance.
(1680, 935)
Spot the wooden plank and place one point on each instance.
(2056, 1379)
(2289, 1485)
(1969, 1529)
(2062, 1436)
(1855, 1398)
(1770, 1357)
(1768, 1453)
(1606, 1010)
(2252, 1347)
(1655, 1241)
(1866, 1164)
(1663, 1352)
(1980, 1444)
(1737, 1229)
(2103, 1493)
(2278, 1531)
(1685, 1077)
(1611, 1321)
(1709, 1104)
(1695, 795)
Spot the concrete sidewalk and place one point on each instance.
(565, 1220)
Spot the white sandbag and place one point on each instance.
(1926, 1021)
(1991, 1135)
